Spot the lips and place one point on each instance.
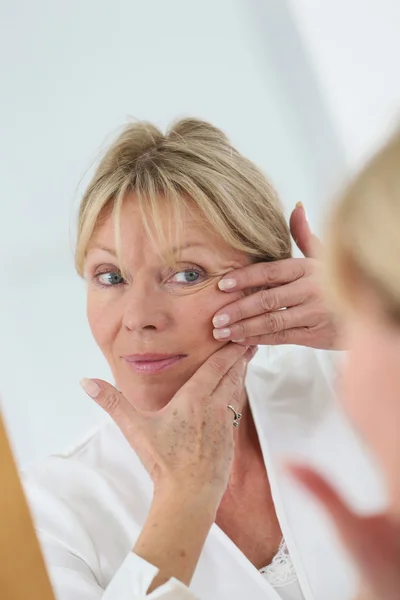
(152, 363)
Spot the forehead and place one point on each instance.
(196, 230)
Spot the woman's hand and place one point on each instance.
(373, 542)
(189, 443)
(187, 448)
(291, 284)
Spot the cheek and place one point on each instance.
(102, 319)
(200, 308)
(195, 320)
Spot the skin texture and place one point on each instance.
(370, 386)
(291, 283)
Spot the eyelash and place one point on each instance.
(96, 278)
(190, 268)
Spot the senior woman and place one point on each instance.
(183, 486)
(364, 277)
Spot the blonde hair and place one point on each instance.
(192, 162)
(363, 242)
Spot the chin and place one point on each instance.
(151, 394)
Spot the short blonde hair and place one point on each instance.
(363, 241)
(192, 162)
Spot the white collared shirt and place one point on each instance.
(89, 504)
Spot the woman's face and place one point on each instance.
(158, 313)
(371, 386)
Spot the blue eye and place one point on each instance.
(186, 276)
(109, 278)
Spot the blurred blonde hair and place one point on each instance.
(363, 241)
(193, 162)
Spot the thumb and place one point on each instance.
(352, 528)
(306, 241)
(373, 541)
(111, 400)
(355, 531)
(324, 492)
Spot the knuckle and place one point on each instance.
(306, 335)
(111, 404)
(308, 285)
(235, 376)
(319, 315)
(281, 337)
(267, 300)
(273, 323)
(240, 331)
(300, 269)
(271, 272)
(217, 365)
(248, 276)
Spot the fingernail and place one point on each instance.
(90, 387)
(220, 334)
(241, 340)
(226, 284)
(220, 320)
(301, 205)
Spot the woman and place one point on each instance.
(184, 485)
(364, 272)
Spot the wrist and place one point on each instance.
(175, 530)
(203, 502)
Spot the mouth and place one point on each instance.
(150, 364)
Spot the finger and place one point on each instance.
(230, 388)
(264, 301)
(369, 539)
(306, 241)
(265, 274)
(209, 375)
(112, 401)
(323, 491)
(299, 336)
(350, 526)
(271, 323)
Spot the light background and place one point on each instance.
(304, 88)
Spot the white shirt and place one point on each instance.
(89, 504)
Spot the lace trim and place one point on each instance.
(281, 570)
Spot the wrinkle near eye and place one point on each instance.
(196, 287)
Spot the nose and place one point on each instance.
(145, 309)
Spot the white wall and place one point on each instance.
(354, 47)
(72, 72)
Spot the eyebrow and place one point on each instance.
(174, 249)
(104, 248)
